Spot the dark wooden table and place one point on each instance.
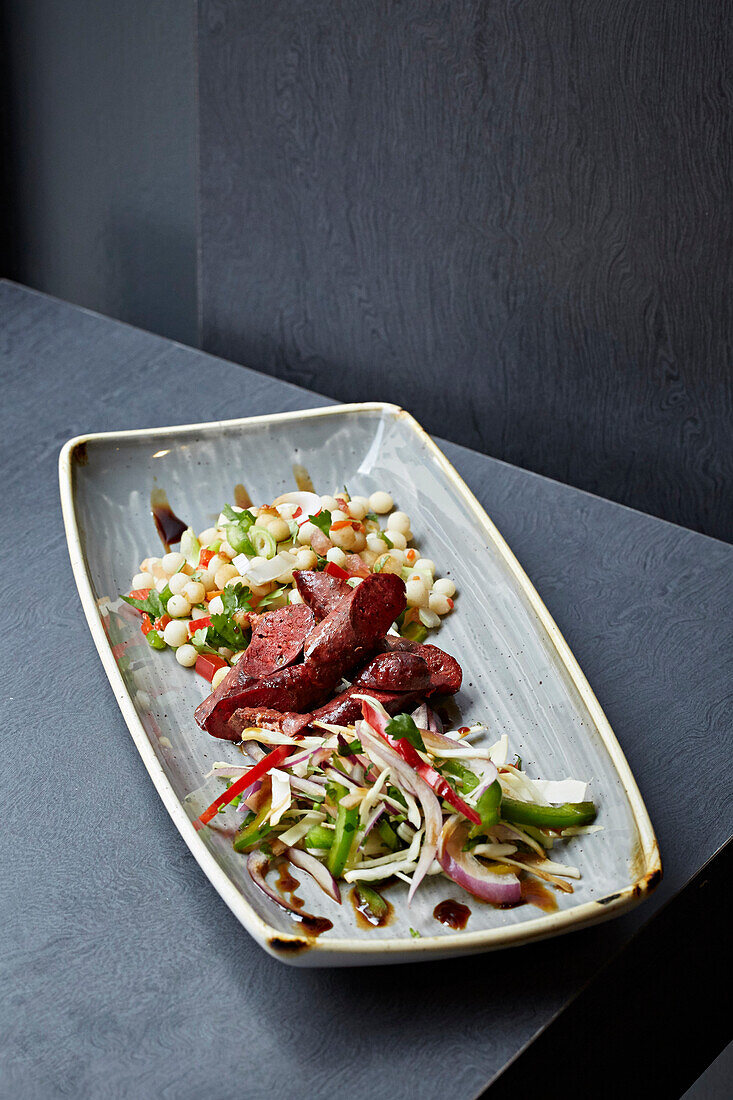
(123, 972)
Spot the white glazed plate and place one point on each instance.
(520, 677)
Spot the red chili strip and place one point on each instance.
(266, 764)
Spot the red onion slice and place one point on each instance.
(465, 870)
(317, 871)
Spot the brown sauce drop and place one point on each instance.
(452, 913)
(168, 525)
(365, 917)
(242, 499)
(314, 926)
(534, 893)
(287, 884)
(302, 478)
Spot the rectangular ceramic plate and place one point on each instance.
(519, 674)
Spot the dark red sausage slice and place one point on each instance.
(345, 709)
(277, 641)
(321, 591)
(286, 722)
(297, 688)
(395, 671)
(349, 633)
(445, 672)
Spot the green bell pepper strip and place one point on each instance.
(468, 780)
(547, 817)
(416, 632)
(319, 837)
(388, 835)
(372, 901)
(346, 823)
(488, 809)
(254, 831)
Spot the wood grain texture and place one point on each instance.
(513, 219)
(100, 157)
(123, 973)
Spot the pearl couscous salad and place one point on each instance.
(199, 601)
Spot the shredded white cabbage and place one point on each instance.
(281, 796)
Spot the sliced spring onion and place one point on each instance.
(263, 542)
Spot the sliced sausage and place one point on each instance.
(277, 641)
(321, 591)
(345, 709)
(351, 631)
(395, 671)
(297, 688)
(286, 722)
(446, 674)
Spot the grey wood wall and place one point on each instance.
(513, 219)
(99, 154)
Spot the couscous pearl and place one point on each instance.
(399, 521)
(236, 579)
(368, 557)
(218, 677)
(359, 541)
(186, 655)
(417, 594)
(387, 564)
(439, 603)
(177, 583)
(306, 532)
(146, 565)
(380, 502)
(227, 548)
(264, 520)
(376, 543)
(143, 580)
(223, 574)
(260, 590)
(426, 565)
(371, 526)
(161, 583)
(194, 592)
(176, 633)
(207, 580)
(279, 529)
(399, 555)
(208, 536)
(345, 537)
(337, 556)
(329, 503)
(306, 559)
(216, 607)
(358, 507)
(178, 607)
(444, 587)
(338, 516)
(295, 596)
(224, 651)
(215, 563)
(397, 539)
(172, 562)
